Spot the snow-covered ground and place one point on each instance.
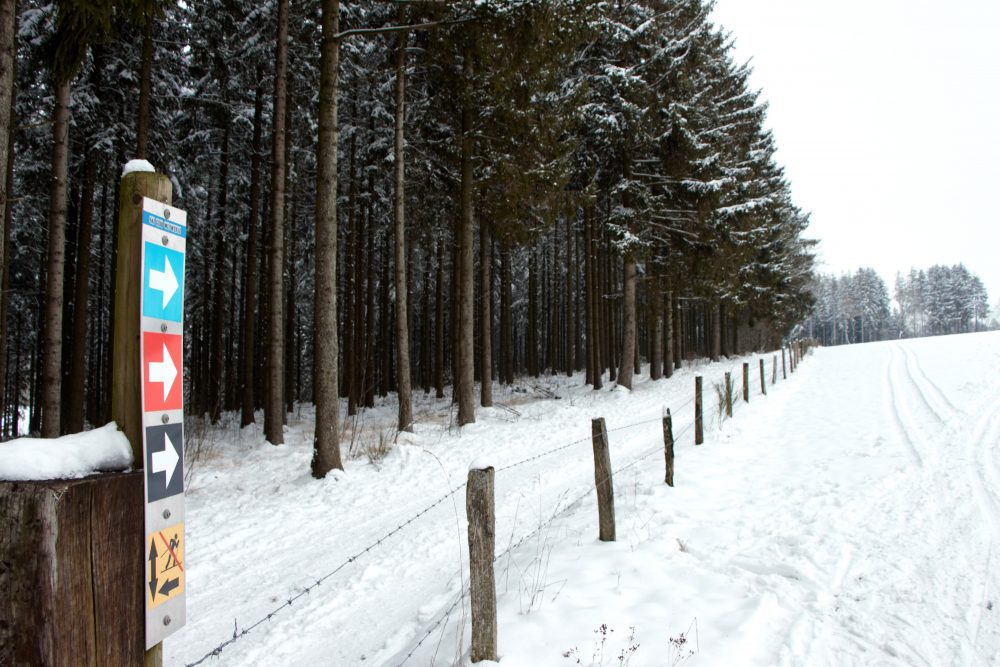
(848, 518)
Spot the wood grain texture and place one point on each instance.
(480, 511)
(602, 478)
(668, 448)
(70, 572)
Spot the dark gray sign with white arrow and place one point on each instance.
(164, 461)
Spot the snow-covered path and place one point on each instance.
(850, 517)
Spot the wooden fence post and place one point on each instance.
(763, 382)
(126, 381)
(729, 394)
(668, 447)
(784, 375)
(774, 369)
(479, 509)
(602, 478)
(699, 429)
(746, 382)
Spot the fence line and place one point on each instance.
(240, 633)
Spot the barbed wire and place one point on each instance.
(239, 634)
(464, 593)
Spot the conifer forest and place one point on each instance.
(388, 197)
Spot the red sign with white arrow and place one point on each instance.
(162, 357)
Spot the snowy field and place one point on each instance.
(847, 518)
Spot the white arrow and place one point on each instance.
(164, 281)
(163, 371)
(166, 461)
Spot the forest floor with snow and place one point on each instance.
(849, 517)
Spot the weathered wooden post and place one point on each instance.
(72, 576)
(763, 381)
(729, 394)
(699, 428)
(746, 382)
(784, 375)
(71, 572)
(774, 369)
(602, 477)
(668, 448)
(480, 512)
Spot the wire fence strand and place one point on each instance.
(240, 633)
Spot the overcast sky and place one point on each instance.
(887, 119)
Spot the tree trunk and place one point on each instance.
(668, 334)
(77, 374)
(425, 329)
(716, 319)
(439, 324)
(7, 97)
(52, 337)
(629, 316)
(221, 251)
(466, 362)
(486, 322)
(326, 445)
(250, 275)
(506, 316)
(274, 413)
(403, 391)
(655, 309)
(531, 339)
(145, 89)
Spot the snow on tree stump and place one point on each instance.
(71, 577)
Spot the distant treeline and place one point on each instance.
(856, 308)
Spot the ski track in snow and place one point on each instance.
(848, 518)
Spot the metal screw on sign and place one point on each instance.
(165, 240)
(166, 620)
(166, 213)
(166, 514)
(165, 418)
(163, 328)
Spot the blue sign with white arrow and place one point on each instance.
(163, 283)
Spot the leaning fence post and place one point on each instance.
(763, 383)
(479, 510)
(668, 447)
(699, 429)
(602, 478)
(746, 382)
(784, 375)
(729, 394)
